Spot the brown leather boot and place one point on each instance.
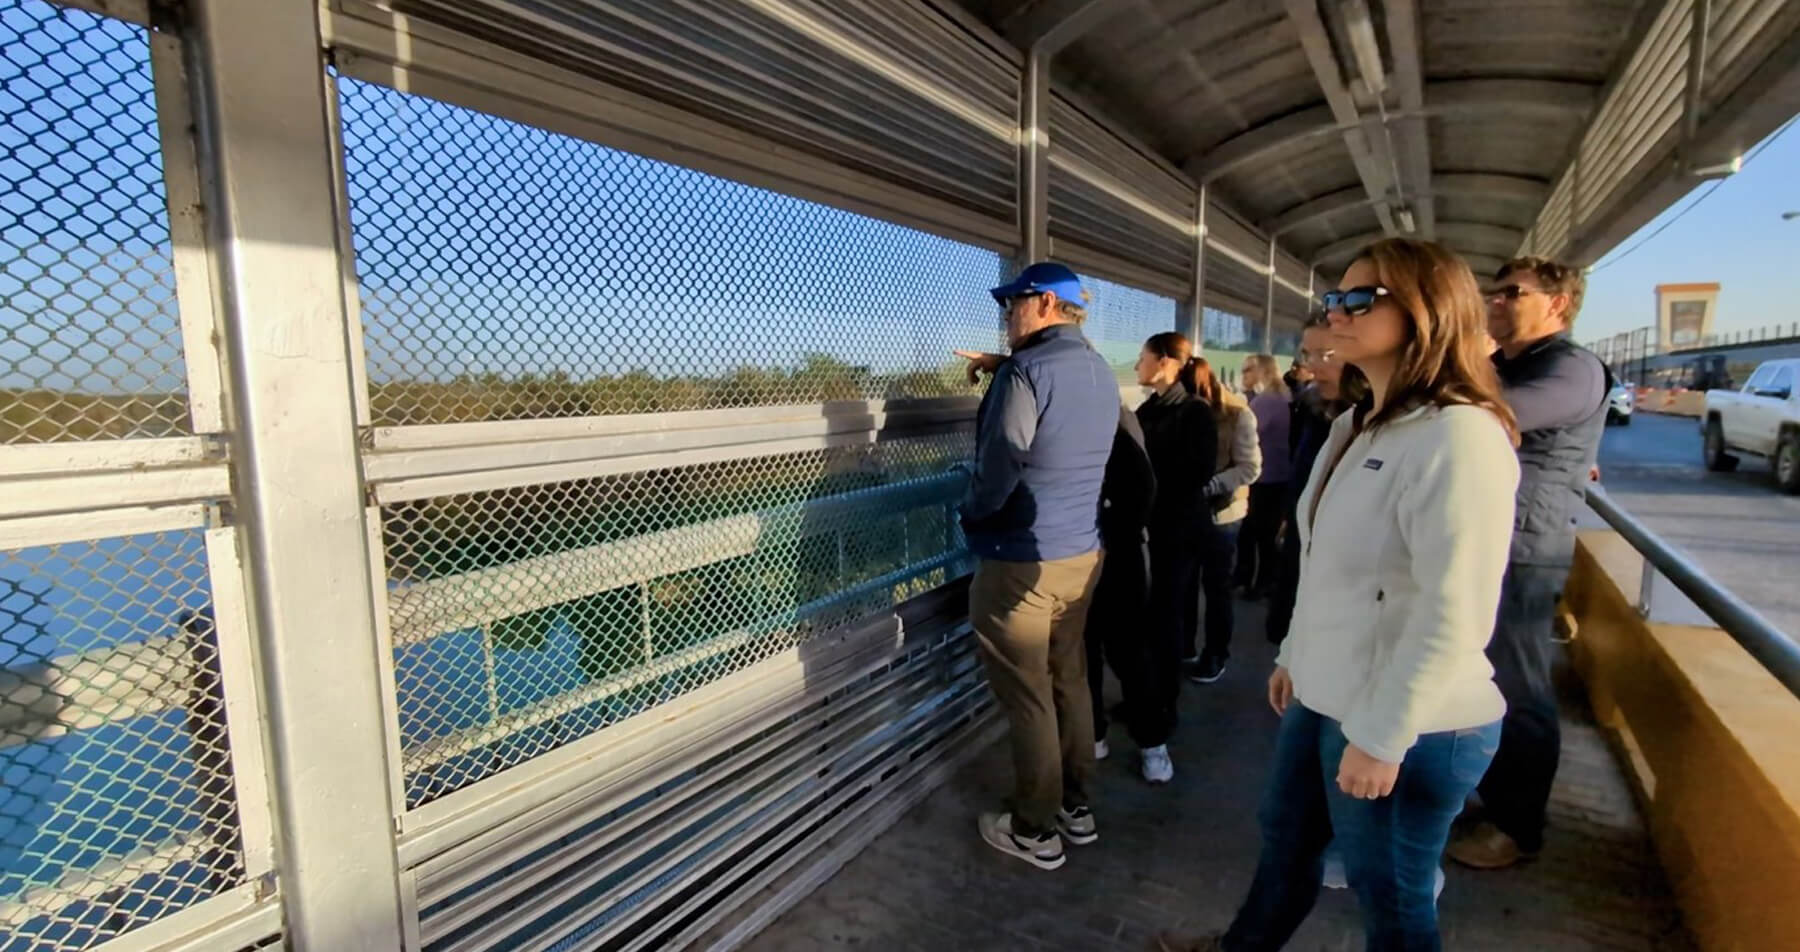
(1484, 846)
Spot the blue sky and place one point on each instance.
(1735, 236)
(488, 246)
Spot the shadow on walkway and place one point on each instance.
(1182, 856)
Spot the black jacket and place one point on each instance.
(1129, 491)
(1182, 439)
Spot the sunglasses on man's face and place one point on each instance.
(1511, 292)
(1354, 302)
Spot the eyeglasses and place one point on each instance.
(1324, 358)
(1354, 302)
(1511, 292)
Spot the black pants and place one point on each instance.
(1257, 558)
(1516, 790)
(1123, 631)
(1218, 556)
(1287, 585)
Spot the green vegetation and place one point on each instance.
(46, 416)
(818, 379)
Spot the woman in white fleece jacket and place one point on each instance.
(1389, 711)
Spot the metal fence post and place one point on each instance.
(1034, 158)
(297, 484)
(1196, 303)
(1268, 336)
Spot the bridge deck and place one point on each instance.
(1182, 856)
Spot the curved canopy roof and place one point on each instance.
(1330, 123)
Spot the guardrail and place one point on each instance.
(1769, 645)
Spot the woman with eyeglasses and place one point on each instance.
(1331, 388)
(1389, 713)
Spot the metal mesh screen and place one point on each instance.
(116, 802)
(507, 272)
(525, 618)
(1121, 318)
(89, 342)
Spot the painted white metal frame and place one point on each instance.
(275, 239)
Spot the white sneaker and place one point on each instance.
(1158, 768)
(1335, 875)
(1101, 750)
(1045, 851)
(1077, 825)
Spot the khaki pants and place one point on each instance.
(1029, 617)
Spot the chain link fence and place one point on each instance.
(1121, 318)
(508, 273)
(512, 273)
(89, 332)
(116, 794)
(117, 798)
(526, 618)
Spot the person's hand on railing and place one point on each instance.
(980, 363)
(1594, 473)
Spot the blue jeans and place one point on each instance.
(1390, 846)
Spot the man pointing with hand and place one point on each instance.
(1031, 516)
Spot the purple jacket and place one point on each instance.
(1272, 420)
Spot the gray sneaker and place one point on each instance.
(1044, 851)
(1077, 825)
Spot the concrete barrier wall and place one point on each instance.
(1712, 742)
(1689, 403)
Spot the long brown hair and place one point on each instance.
(1174, 345)
(1203, 383)
(1268, 372)
(1444, 361)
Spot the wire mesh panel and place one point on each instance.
(89, 342)
(525, 618)
(116, 792)
(507, 272)
(1121, 318)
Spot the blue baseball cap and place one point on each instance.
(1039, 278)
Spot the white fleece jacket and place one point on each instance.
(1403, 551)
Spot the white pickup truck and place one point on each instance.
(1762, 419)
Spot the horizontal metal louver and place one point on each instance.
(893, 90)
(1107, 194)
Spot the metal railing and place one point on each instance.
(1769, 645)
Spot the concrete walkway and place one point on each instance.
(1182, 856)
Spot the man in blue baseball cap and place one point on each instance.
(1031, 516)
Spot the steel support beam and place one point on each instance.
(1413, 134)
(1034, 158)
(1459, 99)
(298, 489)
(1512, 188)
(1051, 25)
(1269, 302)
(1366, 152)
(1463, 236)
(1196, 303)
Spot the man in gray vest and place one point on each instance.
(1032, 518)
(1558, 392)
